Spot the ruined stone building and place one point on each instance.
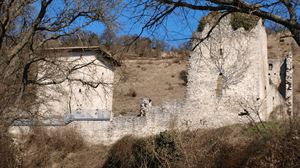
(229, 79)
(230, 72)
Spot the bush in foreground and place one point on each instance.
(274, 145)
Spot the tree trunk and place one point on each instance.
(296, 35)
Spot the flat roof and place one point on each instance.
(82, 48)
(100, 48)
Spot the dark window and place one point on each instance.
(221, 51)
(270, 67)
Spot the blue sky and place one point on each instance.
(175, 31)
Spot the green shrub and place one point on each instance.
(166, 146)
(158, 151)
(248, 22)
(183, 75)
(144, 154)
(207, 19)
(237, 20)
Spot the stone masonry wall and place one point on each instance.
(240, 58)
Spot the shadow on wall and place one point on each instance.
(282, 87)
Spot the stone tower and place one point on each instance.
(227, 75)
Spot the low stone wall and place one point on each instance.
(157, 119)
(171, 115)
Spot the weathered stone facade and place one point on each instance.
(239, 58)
(280, 95)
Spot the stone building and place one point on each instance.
(74, 84)
(228, 70)
(87, 75)
(230, 74)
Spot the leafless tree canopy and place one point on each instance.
(29, 26)
(283, 12)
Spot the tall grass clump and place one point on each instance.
(9, 154)
(50, 146)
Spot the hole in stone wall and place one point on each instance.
(281, 40)
(220, 83)
(221, 51)
(270, 67)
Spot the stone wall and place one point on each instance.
(240, 59)
(75, 95)
(289, 84)
(280, 93)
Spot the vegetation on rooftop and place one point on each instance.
(237, 20)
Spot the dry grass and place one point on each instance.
(157, 79)
(9, 155)
(232, 146)
(277, 144)
(60, 148)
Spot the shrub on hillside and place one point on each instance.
(231, 146)
(166, 146)
(158, 151)
(183, 75)
(131, 93)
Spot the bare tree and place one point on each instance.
(283, 12)
(26, 28)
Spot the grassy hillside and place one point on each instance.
(159, 79)
(162, 80)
